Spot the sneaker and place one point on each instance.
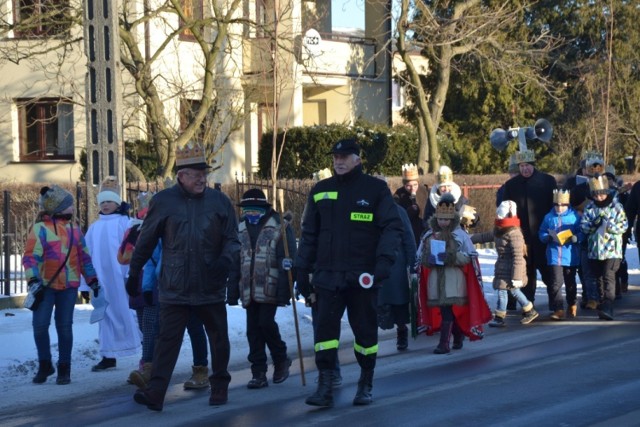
(557, 315)
(104, 364)
(497, 322)
(529, 316)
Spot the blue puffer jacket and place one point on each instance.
(567, 255)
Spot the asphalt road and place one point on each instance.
(584, 372)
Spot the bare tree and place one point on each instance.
(446, 30)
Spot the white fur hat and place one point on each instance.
(507, 207)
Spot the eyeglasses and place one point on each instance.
(196, 175)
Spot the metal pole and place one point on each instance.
(7, 243)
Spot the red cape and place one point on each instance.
(470, 317)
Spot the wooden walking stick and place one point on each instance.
(287, 266)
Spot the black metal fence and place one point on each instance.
(290, 195)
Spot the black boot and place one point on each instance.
(445, 336)
(324, 394)
(458, 337)
(104, 364)
(281, 371)
(64, 373)
(259, 380)
(403, 337)
(45, 369)
(365, 385)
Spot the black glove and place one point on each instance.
(232, 302)
(95, 287)
(450, 258)
(382, 270)
(220, 270)
(132, 286)
(302, 283)
(148, 298)
(86, 296)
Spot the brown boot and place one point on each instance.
(572, 311)
(142, 376)
(199, 379)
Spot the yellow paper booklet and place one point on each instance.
(562, 236)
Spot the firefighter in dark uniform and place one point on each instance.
(350, 232)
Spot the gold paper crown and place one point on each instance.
(513, 164)
(446, 208)
(409, 172)
(561, 197)
(110, 183)
(189, 155)
(445, 176)
(525, 156)
(598, 185)
(143, 199)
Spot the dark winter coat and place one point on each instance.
(395, 289)
(534, 198)
(412, 204)
(198, 232)
(350, 226)
(262, 279)
(632, 208)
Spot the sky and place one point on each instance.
(347, 14)
(18, 357)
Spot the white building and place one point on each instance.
(322, 77)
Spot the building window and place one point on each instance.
(397, 95)
(45, 129)
(193, 10)
(41, 18)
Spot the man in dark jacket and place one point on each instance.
(350, 232)
(260, 280)
(532, 191)
(199, 233)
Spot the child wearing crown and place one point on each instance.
(451, 284)
(603, 222)
(560, 231)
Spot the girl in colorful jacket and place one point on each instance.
(55, 257)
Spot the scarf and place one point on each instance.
(508, 222)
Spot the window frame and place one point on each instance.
(43, 123)
(57, 26)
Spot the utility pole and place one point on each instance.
(103, 98)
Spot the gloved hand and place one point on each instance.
(382, 270)
(132, 285)
(547, 239)
(86, 296)
(433, 259)
(220, 270)
(516, 283)
(232, 302)
(132, 235)
(574, 239)
(303, 285)
(450, 258)
(95, 287)
(147, 296)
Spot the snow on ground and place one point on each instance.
(18, 357)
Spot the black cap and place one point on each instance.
(346, 146)
(253, 197)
